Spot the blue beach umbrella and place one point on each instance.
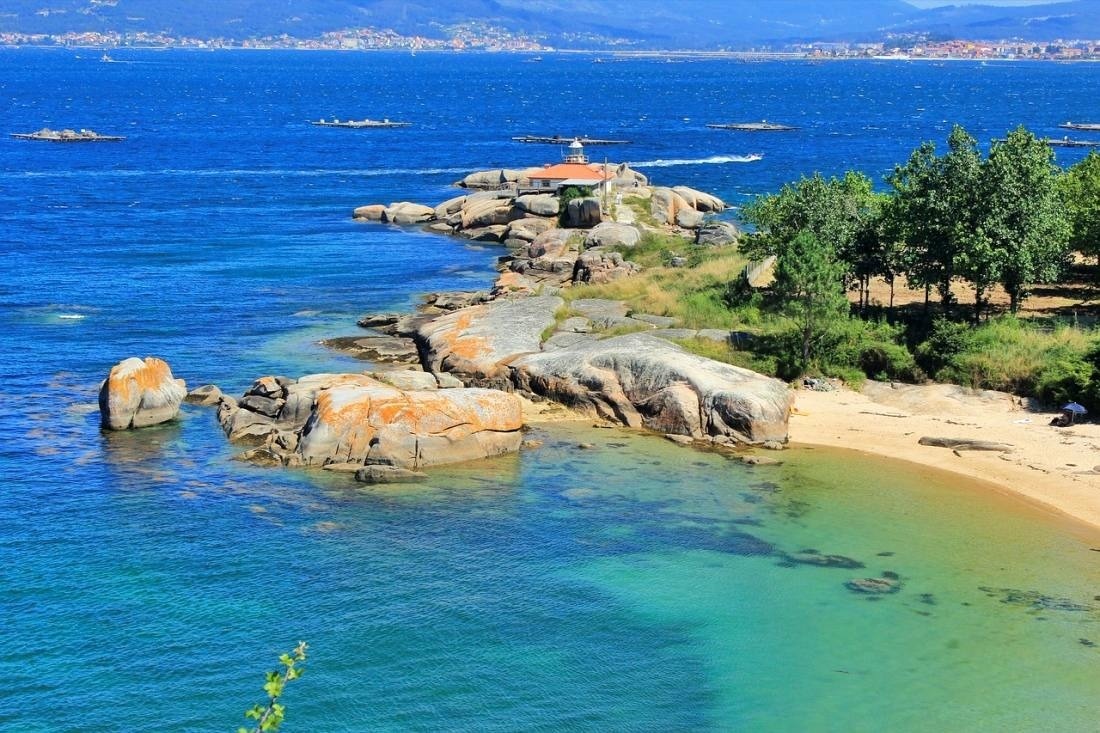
(1075, 408)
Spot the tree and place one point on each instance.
(808, 280)
(1080, 192)
(1024, 219)
(938, 210)
(270, 717)
(840, 213)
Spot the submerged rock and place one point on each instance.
(888, 583)
(139, 393)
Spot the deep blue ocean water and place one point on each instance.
(147, 580)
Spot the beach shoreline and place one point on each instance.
(1054, 469)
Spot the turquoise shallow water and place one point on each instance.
(148, 579)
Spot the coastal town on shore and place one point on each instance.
(478, 36)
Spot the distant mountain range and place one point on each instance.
(687, 24)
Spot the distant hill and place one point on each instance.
(644, 23)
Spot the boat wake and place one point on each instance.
(712, 160)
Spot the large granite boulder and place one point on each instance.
(138, 393)
(486, 212)
(370, 212)
(529, 229)
(496, 178)
(643, 381)
(476, 344)
(450, 206)
(599, 266)
(717, 234)
(612, 234)
(375, 424)
(583, 213)
(689, 219)
(348, 421)
(404, 212)
(542, 204)
(626, 177)
(665, 203)
(699, 200)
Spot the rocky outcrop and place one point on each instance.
(699, 200)
(405, 212)
(450, 206)
(598, 266)
(355, 421)
(476, 344)
(665, 203)
(583, 213)
(689, 219)
(138, 393)
(485, 212)
(539, 204)
(717, 234)
(626, 177)
(494, 179)
(370, 212)
(612, 234)
(642, 381)
(529, 229)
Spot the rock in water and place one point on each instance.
(643, 381)
(137, 394)
(364, 421)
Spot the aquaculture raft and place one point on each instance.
(558, 139)
(67, 136)
(359, 123)
(752, 126)
(1085, 126)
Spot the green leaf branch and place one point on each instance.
(270, 717)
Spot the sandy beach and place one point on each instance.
(1055, 468)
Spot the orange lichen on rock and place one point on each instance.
(371, 422)
(138, 393)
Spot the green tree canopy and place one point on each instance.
(937, 212)
(838, 212)
(1023, 218)
(1080, 192)
(808, 282)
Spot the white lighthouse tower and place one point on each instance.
(576, 153)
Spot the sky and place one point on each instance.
(939, 3)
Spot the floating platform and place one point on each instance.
(67, 136)
(558, 140)
(753, 126)
(359, 123)
(1084, 126)
(1065, 142)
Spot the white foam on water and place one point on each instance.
(712, 160)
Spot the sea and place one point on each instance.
(148, 579)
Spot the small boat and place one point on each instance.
(106, 58)
(334, 122)
(1084, 126)
(67, 136)
(753, 157)
(762, 126)
(560, 140)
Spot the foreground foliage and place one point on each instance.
(270, 716)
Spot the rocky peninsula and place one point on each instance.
(450, 380)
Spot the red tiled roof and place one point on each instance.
(565, 171)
